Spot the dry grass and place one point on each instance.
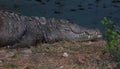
(59, 55)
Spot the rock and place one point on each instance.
(65, 54)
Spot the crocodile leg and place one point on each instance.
(26, 41)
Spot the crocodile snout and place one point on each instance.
(94, 34)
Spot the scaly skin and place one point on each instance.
(21, 31)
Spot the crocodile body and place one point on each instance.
(18, 30)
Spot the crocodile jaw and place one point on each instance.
(94, 34)
(99, 36)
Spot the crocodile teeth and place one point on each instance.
(99, 36)
(89, 36)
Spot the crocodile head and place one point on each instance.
(86, 34)
(93, 34)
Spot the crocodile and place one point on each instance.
(17, 30)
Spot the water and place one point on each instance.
(83, 12)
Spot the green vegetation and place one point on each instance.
(9, 65)
(111, 37)
(15, 55)
(6, 64)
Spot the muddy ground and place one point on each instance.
(59, 55)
